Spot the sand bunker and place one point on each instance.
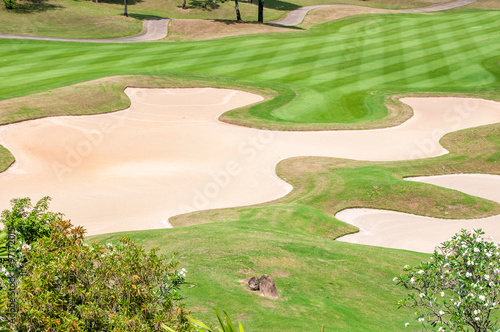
(168, 154)
(405, 231)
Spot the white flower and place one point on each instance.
(420, 272)
(468, 274)
(476, 250)
(407, 324)
(477, 318)
(487, 277)
(442, 294)
(412, 280)
(421, 295)
(479, 240)
(406, 267)
(26, 246)
(421, 319)
(496, 270)
(477, 312)
(441, 312)
(489, 254)
(441, 329)
(395, 279)
(482, 297)
(109, 244)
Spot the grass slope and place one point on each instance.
(345, 287)
(321, 282)
(87, 19)
(338, 73)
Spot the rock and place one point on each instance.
(253, 283)
(267, 287)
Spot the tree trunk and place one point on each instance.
(261, 11)
(184, 4)
(237, 7)
(125, 13)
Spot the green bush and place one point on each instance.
(10, 4)
(29, 222)
(68, 285)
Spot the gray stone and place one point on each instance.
(253, 283)
(268, 288)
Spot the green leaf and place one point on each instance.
(229, 323)
(165, 327)
(196, 324)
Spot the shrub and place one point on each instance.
(29, 222)
(68, 285)
(458, 288)
(10, 4)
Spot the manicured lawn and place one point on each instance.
(87, 19)
(345, 287)
(339, 72)
(336, 75)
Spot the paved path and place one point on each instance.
(295, 17)
(152, 29)
(155, 29)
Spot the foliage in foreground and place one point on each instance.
(458, 288)
(67, 285)
(30, 222)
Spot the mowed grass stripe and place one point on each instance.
(400, 52)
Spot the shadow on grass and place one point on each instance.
(144, 17)
(118, 2)
(233, 22)
(279, 5)
(26, 7)
(203, 4)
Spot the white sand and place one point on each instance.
(168, 154)
(405, 231)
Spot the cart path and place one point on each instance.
(152, 29)
(295, 17)
(155, 29)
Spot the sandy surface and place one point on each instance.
(168, 154)
(405, 231)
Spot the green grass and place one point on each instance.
(86, 19)
(341, 73)
(334, 73)
(346, 287)
(343, 286)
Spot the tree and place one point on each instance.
(458, 288)
(237, 7)
(260, 17)
(69, 285)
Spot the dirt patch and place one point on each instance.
(192, 30)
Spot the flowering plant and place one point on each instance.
(458, 287)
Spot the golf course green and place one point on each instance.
(337, 75)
